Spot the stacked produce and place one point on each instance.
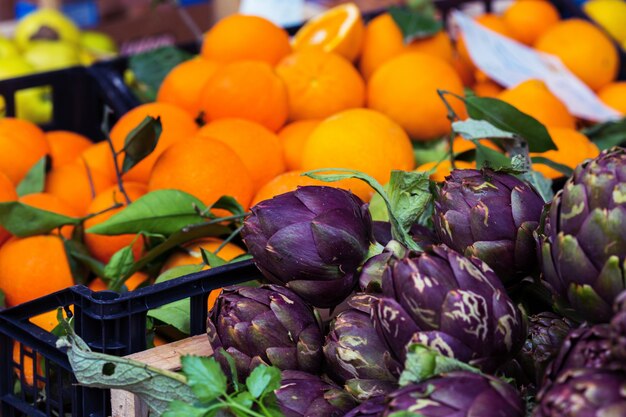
(462, 288)
(46, 40)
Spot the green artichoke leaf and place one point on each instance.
(411, 197)
(423, 362)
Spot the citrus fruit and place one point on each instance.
(32, 267)
(533, 98)
(240, 37)
(258, 148)
(131, 283)
(204, 168)
(103, 247)
(65, 146)
(405, 89)
(284, 183)
(464, 68)
(440, 170)
(54, 204)
(339, 30)
(76, 184)
(573, 148)
(529, 19)
(363, 140)
(98, 157)
(23, 356)
(487, 88)
(320, 84)
(182, 85)
(177, 125)
(460, 145)
(584, 49)
(246, 89)
(190, 254)
(7, 193)
(294, 137)
(22, 144)
(610, 14)
(614, 95)
(383, 40)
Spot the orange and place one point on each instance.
(339, 30)
(177, 124)
(490, 21)
(383, 40)
(529, 19)
(286, 182)
(32, 267)
(405, 89)
(294, 137)
(464, 68)
(50, 202)
(573, 148)
(487, 88)
(190, 254)
(76, 185)
(7, 193)
(239, 37)
(65, 146)
(363, 140)
(248, 90)
(182, 85)
(103, 247)
(320, 84)
(460, 145)
(584, 48)
(533, 98)
(444, 168)
(614, 95)
(22, 144)
(99, 157)
(204, 168)
(131, 283)
(259, 149)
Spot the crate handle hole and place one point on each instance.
(105, 295)
(108, 369)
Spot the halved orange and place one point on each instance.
(338, 30)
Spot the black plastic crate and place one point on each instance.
(79, 97)
(109, 322)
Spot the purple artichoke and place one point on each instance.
(584, 393)
(370, 408)
(490, 215)
(269, 325)
(355, 355)
(583, 242)
(619, 327)
(457, 394)
(454, 304)
(585, 347)
(305, 395)
(311, 240)
(546, 332)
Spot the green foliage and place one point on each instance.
(416, 22)
(23, 220)
(35, 179)
(423, 362)
(141, 141)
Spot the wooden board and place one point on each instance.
(167, 357)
